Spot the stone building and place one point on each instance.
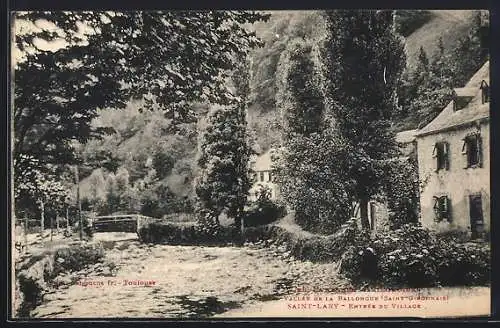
(454, 161)
(261, 166)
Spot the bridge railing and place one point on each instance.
(120, 223)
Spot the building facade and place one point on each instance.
(454, 162)
(263, 178)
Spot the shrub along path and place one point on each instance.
(183, 281)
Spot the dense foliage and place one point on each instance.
(363, 60)
(187, 234)
(103, 59)
(401, 190)
(264, 210)
(307, 164)
(308, 247)
(414, 257)
(427, 89)
(223, 180)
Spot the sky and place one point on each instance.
(21, 27)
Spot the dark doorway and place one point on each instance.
(373, 209)
(476, 216)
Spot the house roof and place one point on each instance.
(263, 162)
(405, 137)
(474, 111)
(465, 92)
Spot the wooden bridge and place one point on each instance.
(120, 223)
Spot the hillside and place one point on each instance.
(450, 25)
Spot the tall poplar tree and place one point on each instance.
(363, 59)
(223, 181)
(307, 165)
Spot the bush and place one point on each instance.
(76, 258)
(402, 191)
(262, 213)
(186, 234)
(453, 235)
(314, 248)
(413, 257)
(465, 264)
(179, 217)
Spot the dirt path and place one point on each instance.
(182, 281)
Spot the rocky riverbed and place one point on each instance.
(141, 280)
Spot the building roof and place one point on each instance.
(465, 92)
(263, 162)
(407, 136)
(474, 111)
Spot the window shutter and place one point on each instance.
(446, 155)
(444, 204)
(464, 153)
(447, 201)
(437, 212)
(435, 152)
(480, 150)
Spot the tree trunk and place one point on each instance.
(239, 225)
(57, 223)
(68, 226)
(80, 221)
(42, 219)
(51, 226)
(25, 234)
(363, 208)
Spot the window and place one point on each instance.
(441, 154)
(472, 151)
(262, 176)
(485, 92)
(476, 215)
(460, 102)
(442, 208)
(269, 177)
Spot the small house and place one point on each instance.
(454, 161)
(263, 177)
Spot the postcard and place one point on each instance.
(250, 164)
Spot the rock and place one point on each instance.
(62, 280)
(106, 271)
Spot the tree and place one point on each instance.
(427, 89)
(306, 168)
(469, 55)
(402, 191)
(223, 180)
(282, 28)
(363, 60)
(299, 99)
(41, 188)
(170, 58)
(97, 197)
